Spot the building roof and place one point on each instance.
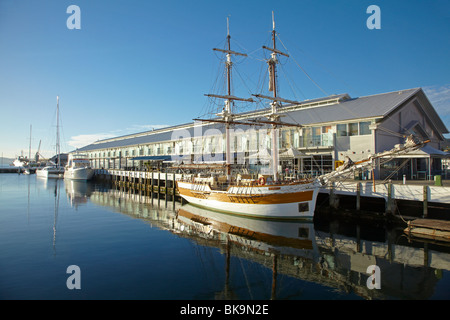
(330, 109)
(373, 106)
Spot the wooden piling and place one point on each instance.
(389, 202)
(358, 196)
(334, 200)
(425, 201)
(166, 190)
(151, 186)
(159, 187)
(173, 191)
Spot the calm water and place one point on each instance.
(127, 248)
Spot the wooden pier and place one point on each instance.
(160, 185)
(422, 197)
(429, 229)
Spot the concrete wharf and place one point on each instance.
(421, 195)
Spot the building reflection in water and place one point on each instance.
(332, 254)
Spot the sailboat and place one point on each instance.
(266, 197)
(53, 170)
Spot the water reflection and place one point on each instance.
(78, 192)
(333, 254)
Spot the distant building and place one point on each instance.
(332, 128)
(63, 158)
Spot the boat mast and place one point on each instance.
(57, 133)
(274, 116)
(226, 113)
(29, 150)
(228, 102)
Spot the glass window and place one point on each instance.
(307, 141)
(353, 129)
(296, 139)
(326, 129)
(341, 130)
(364, 128)
(316, 133)
(286, 139)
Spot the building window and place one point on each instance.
(316, 135)
(307, 140)
(364, 128)
(326, 129)
(341, 130)
(353, 129)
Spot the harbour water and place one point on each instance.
(128, 246)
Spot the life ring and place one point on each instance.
(262, 181)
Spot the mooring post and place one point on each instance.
(151, 186)
(146, 183)
(173, 191)
(389, 199)
(159, 186)
(358, 196)
(425, 201)
(334, 200)
(166, 189)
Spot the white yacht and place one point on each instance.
(78, 168)
(53, 170)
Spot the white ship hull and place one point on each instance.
(50, 173)
(79, 173)
(271, 202)
(19, 163)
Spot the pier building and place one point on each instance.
(332, 128)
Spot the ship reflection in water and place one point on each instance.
(334, 256)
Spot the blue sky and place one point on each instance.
(136, 65)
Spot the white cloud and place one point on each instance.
(439, 97)
(86, 139)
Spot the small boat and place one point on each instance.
(78, 168)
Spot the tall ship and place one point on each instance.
(267, 196)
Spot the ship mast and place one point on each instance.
(274, 117)
(226, 114)
(58, 151)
